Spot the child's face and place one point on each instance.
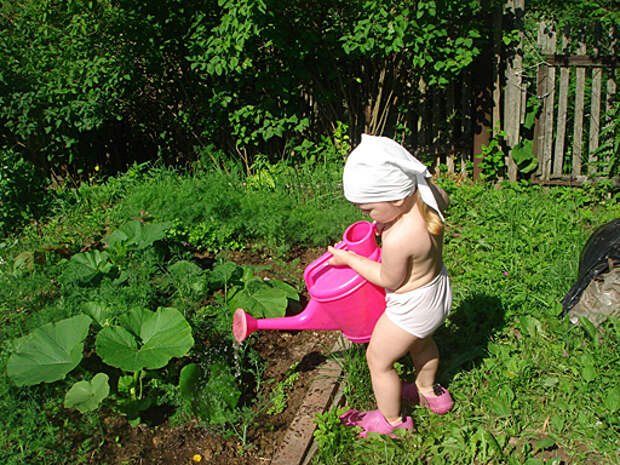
(381, 212)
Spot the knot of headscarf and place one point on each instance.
(381, 170)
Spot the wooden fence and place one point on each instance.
(572, 89)
(562, 76)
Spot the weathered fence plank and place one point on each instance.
(610, 100)
(580, 86)
(514, 94)
(562, 114)
(545, 92)
(595, 117)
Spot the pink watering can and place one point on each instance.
(340, 299)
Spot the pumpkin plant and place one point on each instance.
(142, 340)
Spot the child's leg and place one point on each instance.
(425, 356)
(387, 345)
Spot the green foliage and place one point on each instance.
(66, 86)
(212, 394)
(576, 11)
(523, 153)
(278, 398)
(206, 235)
(88, 395)
(259, 297)
(492, 157)
(145, 340)
(22, 193)
(332, 437)
(135, 235)
(188, 280)
(436, 39)
(84, 267)
(49, 352)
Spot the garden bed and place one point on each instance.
(171, 445)
(164, 444)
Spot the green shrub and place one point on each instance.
(22, 190)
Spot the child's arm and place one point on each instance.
(390, 273)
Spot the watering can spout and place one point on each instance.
(311, 318)
(340, 299)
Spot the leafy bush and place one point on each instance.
(112, 83)
(22, 190)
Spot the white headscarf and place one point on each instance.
(381, 170)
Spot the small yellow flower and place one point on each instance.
(96, 167)
(197, 458)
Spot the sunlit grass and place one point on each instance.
(529, 387)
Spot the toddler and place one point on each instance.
(387, 183)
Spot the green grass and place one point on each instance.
(529, 387)
(518, 373)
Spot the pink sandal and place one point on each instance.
(374, 421)
(440, 404)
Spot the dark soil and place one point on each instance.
(194, 443)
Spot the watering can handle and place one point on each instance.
(375, 228)
(320, 263)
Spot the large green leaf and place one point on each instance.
(88, 395)
(224, 273)
(289, 291)
(137, 235)
(523, 156)
(99, 312)
(84, 267)
(260, 299)
(158, 336)
(48, 353)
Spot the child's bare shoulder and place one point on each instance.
(409, 235)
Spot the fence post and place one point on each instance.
(580, 86)
(595, 107)
(545, 90)
(558, 159)
(484, 81)
(513, 93)
(610, 98)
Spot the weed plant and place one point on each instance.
(530, 387)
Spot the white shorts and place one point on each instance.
(421, 311)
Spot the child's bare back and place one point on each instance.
(409, 239)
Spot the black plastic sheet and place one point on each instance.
(600, 255)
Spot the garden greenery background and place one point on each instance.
(141, 142)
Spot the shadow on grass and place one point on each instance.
(463, 342)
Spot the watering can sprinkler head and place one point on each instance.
(339, 297)
(243, 325)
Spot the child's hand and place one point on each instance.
(340, 256)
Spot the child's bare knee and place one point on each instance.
(376, 362)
